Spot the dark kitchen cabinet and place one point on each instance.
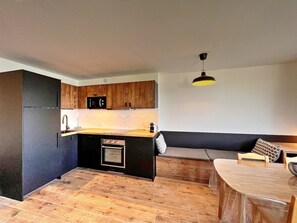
(68, 146)
(41, 152)
(89, 151)
(140, 157)
(30, 128)
(40, 91)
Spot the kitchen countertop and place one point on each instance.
(113, 132)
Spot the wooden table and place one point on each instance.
(253, 179)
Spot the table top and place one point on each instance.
(259, 179)
(287, 147)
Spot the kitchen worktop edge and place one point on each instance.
(112, 132)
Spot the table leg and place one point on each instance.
(221, 198)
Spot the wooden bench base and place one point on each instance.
(184, 169)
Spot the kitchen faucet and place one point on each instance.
(67, 126)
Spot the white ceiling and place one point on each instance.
(97, 38)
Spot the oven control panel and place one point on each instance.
(112, 142)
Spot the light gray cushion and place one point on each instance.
(265, 148)
(221, 154)
(161, 145)
(187, 153)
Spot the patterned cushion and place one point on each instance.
(161, 144)
(265, 148)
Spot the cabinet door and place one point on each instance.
(129, 95)
(82, 97)
(68, 96)
(68, 147)
(115, 97)
(41, 91)
(65, 96)
(96, 90)
(143, 94)
(73, 97)
(140, 158)
(41, 153)
(89, 151)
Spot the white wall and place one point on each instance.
(8, 65)
(120, 79)
(244, 100)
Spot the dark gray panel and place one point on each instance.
(11, 134)
(41, 91)
(140, 157)
(220, 141)
(89, 151)
(69, 153)
(42, 157)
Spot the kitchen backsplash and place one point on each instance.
(119, 119)
(72, 118)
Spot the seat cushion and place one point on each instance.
(221, 154)
(187, 153)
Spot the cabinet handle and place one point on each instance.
(129, 104)
(95, 94)
(126, 105)
(57, 140)
(90, 103)
(57, 100)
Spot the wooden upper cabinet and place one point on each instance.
(82, 97)
(69, 96)
(96, 90)
(132, 95)
(121, 96)
(115, 97)
(144, 94)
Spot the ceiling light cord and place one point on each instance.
(203, 65)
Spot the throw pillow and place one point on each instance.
(265, 148)
(161, 145)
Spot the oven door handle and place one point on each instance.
(113, 147)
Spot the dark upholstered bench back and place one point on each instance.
(220, 141)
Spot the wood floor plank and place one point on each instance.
(85, 195)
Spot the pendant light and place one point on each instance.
(203, 80)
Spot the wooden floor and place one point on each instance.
(85, 195)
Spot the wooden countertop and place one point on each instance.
(113, 132)
(271, 180)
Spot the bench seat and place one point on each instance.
(186, 153)
(192, 164)
(221, 154)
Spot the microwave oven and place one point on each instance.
(96, 102)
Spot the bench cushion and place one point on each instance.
(221, 154)
(179, 152)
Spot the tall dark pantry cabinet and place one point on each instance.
(29, 132)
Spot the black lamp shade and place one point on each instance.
(203, 80)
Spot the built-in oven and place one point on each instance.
(113, 153)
